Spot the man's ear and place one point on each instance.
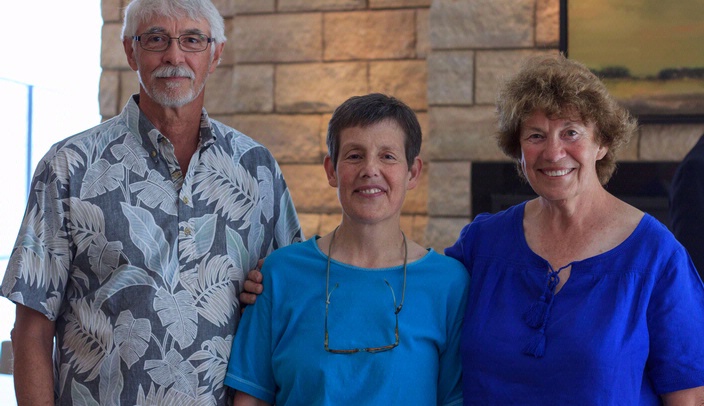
(129, 52)
(415, 172)
(216, 56)
(330, 171)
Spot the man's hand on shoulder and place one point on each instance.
(252, 286)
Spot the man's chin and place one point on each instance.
(172, 101)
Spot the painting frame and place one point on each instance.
(646, 107)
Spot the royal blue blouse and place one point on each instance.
(627, 326)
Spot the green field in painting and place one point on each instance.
(636, 88)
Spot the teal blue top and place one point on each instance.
(278, 353)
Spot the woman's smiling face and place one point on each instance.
(559, 155)
(372, 174)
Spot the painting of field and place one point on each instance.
(650, 53)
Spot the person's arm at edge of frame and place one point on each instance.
(32, 345)
(245, 399)
(685, 397)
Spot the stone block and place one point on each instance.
(398, 3)
(112, 53)
(109, 96)
(369, 35)
(442, 232)
(328, 222)
(291, 138)
(416, 201)
(244, 89)
(278, 38)
(309, 188)
(422, 33)
(495, 67)
(450, 77)
(547, 28)
(129, 85)
(667, 142)
(219, 91)
(318, 87)
(228, 56)
(321, 5)
(310, 223)
(451, 189)
(111, 10)
(253, 6)
(481, 24)
(458, 133)
(405, 80)
(225, 7)
(414, 226)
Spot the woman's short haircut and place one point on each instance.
(562, 88)
(363, 111)
(139, 11)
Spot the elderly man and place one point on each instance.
(138, 234)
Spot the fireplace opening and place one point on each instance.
(645, 185)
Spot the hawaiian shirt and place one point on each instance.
(141, 265)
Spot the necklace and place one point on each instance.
(405, 261)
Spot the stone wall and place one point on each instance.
(288, 63)
(475, 44)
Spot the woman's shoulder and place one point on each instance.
(296, 251)
(448, 266)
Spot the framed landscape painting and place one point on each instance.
(649, 53)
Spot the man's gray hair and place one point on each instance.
(139, 11)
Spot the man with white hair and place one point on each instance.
(138, 234)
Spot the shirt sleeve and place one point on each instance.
(676, 326)
(38, 269)
(250, 366)
(450, 370)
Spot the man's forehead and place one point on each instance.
(174, 25)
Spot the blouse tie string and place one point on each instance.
(538, 313)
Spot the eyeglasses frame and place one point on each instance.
(137, 38)
(397, 309)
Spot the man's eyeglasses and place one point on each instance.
(186, 42)
(396, 309)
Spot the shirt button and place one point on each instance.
(153, 154)
(187, 231)
(185, 200)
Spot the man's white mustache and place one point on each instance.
(173, 71)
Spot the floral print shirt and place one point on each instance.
(140, 265)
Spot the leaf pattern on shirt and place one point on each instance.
(173, 370)
(156, 192)
(100, 178)
(231, 187)
(141, 269)
(196, 237)
(111, 379)
(132, 155)
(87, 332)
(210, 284)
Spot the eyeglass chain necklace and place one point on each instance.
(405, 262)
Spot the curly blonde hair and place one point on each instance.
(562, 88)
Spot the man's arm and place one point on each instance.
(687, 205)
(245, 399)
(686, 397)
(32, 345)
